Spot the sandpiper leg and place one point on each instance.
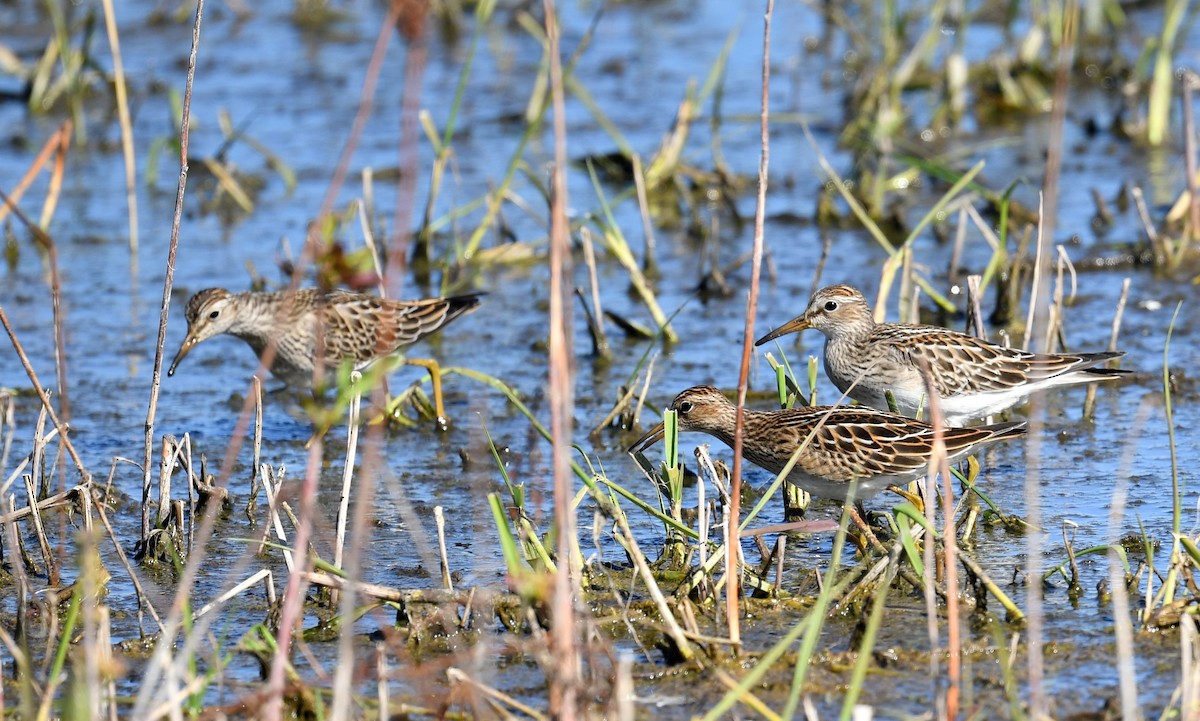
(858, 515)
(435, 375)
(912, 498)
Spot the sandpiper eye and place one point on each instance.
(831, 305)
(213, 315)
(685, 407)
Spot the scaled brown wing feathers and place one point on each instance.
(390, 324)
(960, 363)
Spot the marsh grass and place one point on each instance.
(61, 643)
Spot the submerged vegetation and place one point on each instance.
(520, 563)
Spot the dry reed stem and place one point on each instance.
(1121, 608)
(649, 259)
(365, 102)
(409, 155)
(52, 146)
(1189, 671)
(433, 596)
(1157, 244)
(139, 591)
(455, 675)
(600, 337)
(1089, 400)
(293, 596)
(54, 187)
(621, 405)
(960, 241)
(660, 602)
(732, 572)
(348, 599)
(8, 427)
(124, 120)
(439, 517)
(937, 463)
(272, 489)
(975, 307)
(258, 576)
(1190, 81)
(43, 239)
(39, 530)
(1047, 223)
(1033, 543)
(58, 500)
(169, 275)
(347, 471)
(565, 676)
(59, 425)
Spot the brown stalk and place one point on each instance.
(731, 531)
(348, 600)
(45, 399)
(939, 466)
(565, 678)
(169, 281)
(1190, 81)
(8, 424)
(1038, 707)
(58, 146)
(960, 238)
(124, 120)
(682, 647)
(205, 531)
(649, 258)
(39, 530)
(1121, 607)
(53, 145)
(297, 586)
(974, 308)
(411, 16)
(139, 591)
(1089, 401)
(47, 241)
(600, 344)
(66, 499)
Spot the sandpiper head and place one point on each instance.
(699, 408)
(834, 310)
(702, 408)
(208, 314)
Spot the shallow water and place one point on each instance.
(299, 100)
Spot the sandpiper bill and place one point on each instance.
(345, 325)
(972, 377)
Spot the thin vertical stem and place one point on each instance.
(1190, 81)
(733, 585)
(1038, 708)
(413, 29)
(565, 681)
(126, 123)
(293, 596)
(169, 276)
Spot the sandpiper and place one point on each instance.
(875, 448)
(972, 377)
(348, 326)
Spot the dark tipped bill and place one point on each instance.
(794, 325)
(654, 435)
(186, 347)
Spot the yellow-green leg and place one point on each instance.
(435, 375)
(912, 498)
